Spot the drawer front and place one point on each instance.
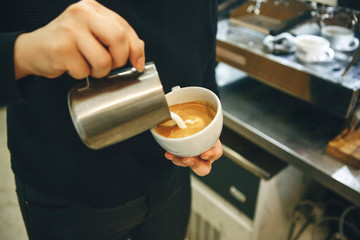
(236, 175)
(235, 184)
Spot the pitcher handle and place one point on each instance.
(122, 73)
(354, 44)
(329, 55)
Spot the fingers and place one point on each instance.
(197, 165)
(136, 45)
(120, 39)
(213, 153)
(175, 160)
(104, 38)
(77, 66)
(137, 55)
(114, 38)
(200, 165)
(95, 54)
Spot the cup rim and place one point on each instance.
(217, 115)
(326, 43)
(347, 32)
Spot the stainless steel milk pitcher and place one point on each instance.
(121, 105)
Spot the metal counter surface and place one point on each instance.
(291, 129)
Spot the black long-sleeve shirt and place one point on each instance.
(46, 152)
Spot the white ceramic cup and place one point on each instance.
(312, 49)
(340, 38)
(200, 142)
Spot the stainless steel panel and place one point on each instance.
(292, 130)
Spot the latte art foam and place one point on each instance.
(195, 115)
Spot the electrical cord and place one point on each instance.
(342, 218)
(303, 227)
(335, 219)
(307, 202)
(336, 203)
(303, 210)
(308, 214)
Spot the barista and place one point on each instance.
(66, 190)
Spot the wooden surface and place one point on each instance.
(272, 17)
(346, 147)
(281, 12)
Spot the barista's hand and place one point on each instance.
(86, 39)
(200, 165)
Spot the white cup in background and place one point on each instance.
(340, 38)
(199, 142)
(312, 49)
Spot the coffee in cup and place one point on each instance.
(311, 49)
(196, 116)
(340, 38)
(192, 104)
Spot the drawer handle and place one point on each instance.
(237, 194)
(243, 162)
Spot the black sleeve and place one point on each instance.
(11, 90)
(209, 80)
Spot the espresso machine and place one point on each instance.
(242, 42)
